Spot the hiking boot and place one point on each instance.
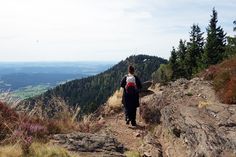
(127, 122)
(133, 123)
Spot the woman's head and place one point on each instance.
(131, 69)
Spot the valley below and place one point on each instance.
(26, 80)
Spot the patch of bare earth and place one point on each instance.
(131, 137)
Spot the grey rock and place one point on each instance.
(151, 147)
(185, 126)
(90, 143)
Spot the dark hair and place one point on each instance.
(131, 69)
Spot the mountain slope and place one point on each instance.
(89, 93)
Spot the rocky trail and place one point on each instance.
(114, 139)
(131, 137)
(183, 119)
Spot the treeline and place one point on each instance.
(89, 93)
(190, 57)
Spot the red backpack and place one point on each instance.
(130, 86)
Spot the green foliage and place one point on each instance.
(215, 42)
(29, 91)
(182, 59)
(174, 64)
(231, 46)
(89, 93)
(163, 74)
(196, 55)
(132, 154)
(186, 60)
(194, 51)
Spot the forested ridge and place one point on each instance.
(89, 93)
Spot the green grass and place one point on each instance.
(36, 150)
(189, 94)
(29, 91)
(132, 154)
(40, 150)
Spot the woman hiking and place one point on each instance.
(131, 85)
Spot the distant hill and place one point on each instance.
(89, 93)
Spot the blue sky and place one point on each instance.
(74, 30)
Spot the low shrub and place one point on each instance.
(90, 124)
(224, 80)
(8, 120)
(163, 74)
(229, 96)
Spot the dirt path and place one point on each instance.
(131, 137)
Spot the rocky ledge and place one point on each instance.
(97, 144)
(193, 123)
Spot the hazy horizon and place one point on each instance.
(104, 30)
(60, 61)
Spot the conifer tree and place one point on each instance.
(174, 64)
(215, 42)
(194, 50)
(181, 59)
(231, 44)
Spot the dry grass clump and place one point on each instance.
(58, 117)
(36, 150)
(47, 150)
(10, 151)
(90, 124)
(114, 103)
(26, 129)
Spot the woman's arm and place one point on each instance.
(138, 82)
(123, 82)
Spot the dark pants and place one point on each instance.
(130, 103)
(130, 114)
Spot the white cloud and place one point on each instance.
(101, 30)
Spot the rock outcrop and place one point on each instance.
(90, 144)
(193, 122)
(151, 147)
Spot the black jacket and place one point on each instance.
(128, 100)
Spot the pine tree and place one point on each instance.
(215, 43)
(194, 50)
(181, 59)
(174, 64)
(231, 44)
